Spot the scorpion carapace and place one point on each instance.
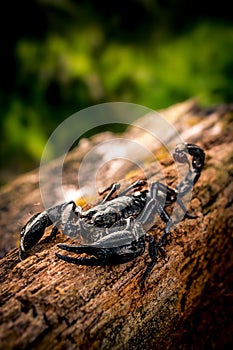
(114, 231)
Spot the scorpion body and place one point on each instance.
(107, 214)
(115, 229)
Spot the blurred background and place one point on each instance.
(60, 56)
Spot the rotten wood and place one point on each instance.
(188, 299)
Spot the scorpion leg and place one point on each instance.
(155, 205)
(149, 212)
(137, 183)
(115, 186)
(153, 252)
(156, 202)
(168, 220)
(151, 208)
(186, 212)
(147, 217)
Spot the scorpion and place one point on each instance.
(115, 229)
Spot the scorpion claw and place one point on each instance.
(68, 259)
(79, 261)
(67, 247)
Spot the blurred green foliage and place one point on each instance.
(62, 56)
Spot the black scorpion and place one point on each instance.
(115, 229)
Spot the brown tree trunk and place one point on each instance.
(187, 303)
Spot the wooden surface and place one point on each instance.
(188, 299)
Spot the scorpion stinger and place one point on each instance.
(195, 169)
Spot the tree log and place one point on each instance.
(187, 302)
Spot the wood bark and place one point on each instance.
(187, 303)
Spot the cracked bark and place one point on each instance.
(188, 299)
